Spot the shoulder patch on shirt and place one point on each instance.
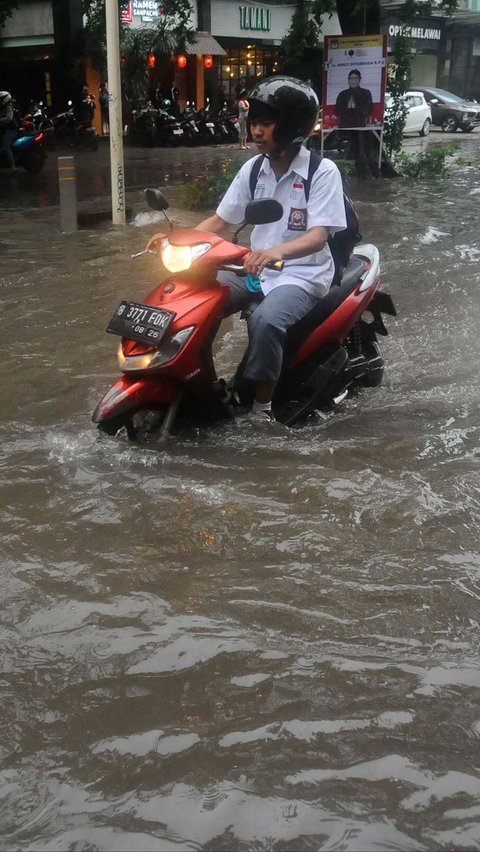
(297, 220)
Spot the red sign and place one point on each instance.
(126, 13)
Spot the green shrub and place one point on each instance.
(427, 164)
(346, 167)
(205, 193)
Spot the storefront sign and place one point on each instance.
(257, 22)
(146, 10)
(426, 32)
(415, 32)
(255, 18)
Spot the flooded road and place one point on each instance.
(245, 639)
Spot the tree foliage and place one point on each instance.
(6, 9)
(305, 33)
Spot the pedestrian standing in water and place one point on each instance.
(243, 110)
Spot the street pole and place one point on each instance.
(117, 166)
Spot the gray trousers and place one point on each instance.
(6, 141)
(268, 324)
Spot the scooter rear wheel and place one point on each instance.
(375, 369)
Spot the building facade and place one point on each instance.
(446, 50)
(251, 34)
(37, 44)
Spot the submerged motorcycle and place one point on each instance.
(165, 354)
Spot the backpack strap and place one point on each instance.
(254, 172)
(315, 160)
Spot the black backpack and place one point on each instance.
(342, 243)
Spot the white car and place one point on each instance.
(419, 115)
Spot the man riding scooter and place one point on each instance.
(283, 111)
(8, 130)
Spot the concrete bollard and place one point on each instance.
(67, 181)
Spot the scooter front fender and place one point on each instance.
(129, 393)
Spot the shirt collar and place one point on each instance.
(299, 164)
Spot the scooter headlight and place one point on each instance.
(180, 258)
(167, 351)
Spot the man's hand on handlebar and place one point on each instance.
(256, 261)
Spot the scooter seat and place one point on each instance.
(325, 306)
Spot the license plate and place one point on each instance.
(178, 132)
(140, 322)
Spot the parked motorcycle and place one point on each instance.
(169, 130)
(28, 152)
(143, 128)
(206, 127)
(78, 134)
(165, 354)
(191, 133)
(36, 119)
(230, 124)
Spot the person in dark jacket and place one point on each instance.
(354, 105)
(8, 129)
(85, 107)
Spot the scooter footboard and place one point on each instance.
(128, 394)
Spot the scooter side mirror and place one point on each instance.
(263, 210)
(156, 199)
(259, 212)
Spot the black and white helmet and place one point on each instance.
(292, 103)
(5, 98)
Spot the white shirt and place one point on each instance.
(314, 272)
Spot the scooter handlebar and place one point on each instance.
(277, 265)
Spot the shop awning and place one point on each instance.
(205, 43)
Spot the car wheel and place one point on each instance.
(425, 129)
(449, 124)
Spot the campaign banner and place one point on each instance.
(353, 86)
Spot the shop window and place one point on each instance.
(244, 66)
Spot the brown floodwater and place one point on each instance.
(242, 639)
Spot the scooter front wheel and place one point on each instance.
(140, 424)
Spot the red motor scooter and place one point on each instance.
(165, 353)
